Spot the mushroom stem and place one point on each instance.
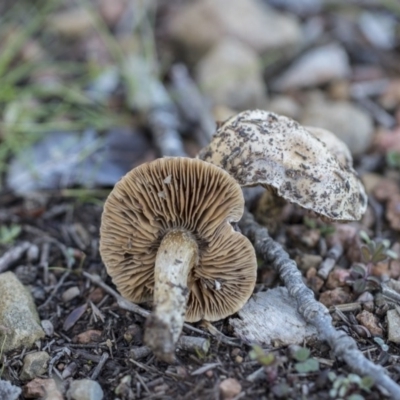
(176, 256)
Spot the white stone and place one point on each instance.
(271, 317)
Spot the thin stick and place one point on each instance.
(13, 255)
(55, 290)
(344, 347)
(100, 365)
(330, 261)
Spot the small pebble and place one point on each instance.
(89, 336)
(47, 327)
(337, 278)
(84, 389)
(229, 388)
(42, 388)
(368, 320)
(70, 294)
(393, 319)
(334, 297)
(35, 364)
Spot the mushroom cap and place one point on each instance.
(336, 146)
(262, 148)
(179, 194)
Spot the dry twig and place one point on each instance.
(13, 255)
(343, 346)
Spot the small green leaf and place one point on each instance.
(358, 271)
(302, 354)
(359, 286)
(310, 365)
(391, 254)
(281, 390)
(258, 354)
(381, 343)
(365, 253)
(332, 376)
(364, 236)
(377, 257)
(9, 234)
(393, 159)
(354, 378)
(367, 382)
(355, 397)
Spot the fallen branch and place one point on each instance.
(343, 346)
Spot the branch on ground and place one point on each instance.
(315, 313)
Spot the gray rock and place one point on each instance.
(17, 314)
(9, 391)
(315, 67)
(393, 319)
(199, 25)
(84, 389)
(271, 318)
(230, 74)
(35, 364)
(347, 121)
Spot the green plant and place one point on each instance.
(258, 354)
(372, 252)
(343, 386)
(9, 234)
(305, 363)
(325, 229)
(393, 159)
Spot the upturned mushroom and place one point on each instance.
(262, 148)
(166, 236)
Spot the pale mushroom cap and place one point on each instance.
(262, 148)
(185, 194)
(336, 146)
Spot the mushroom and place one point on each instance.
(336, 146)
(166, 236)
(262, 148)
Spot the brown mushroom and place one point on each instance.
(262, 148)
(166, 236)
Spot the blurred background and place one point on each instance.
(90, 89)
